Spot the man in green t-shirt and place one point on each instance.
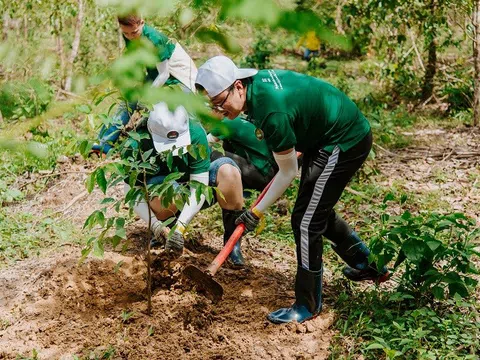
(296, 112)
(164, 131)
(174, 67)
(250, 153)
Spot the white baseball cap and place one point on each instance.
(168, 128)
(218, 73)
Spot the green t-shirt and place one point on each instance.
(186, 164)
(241, 135)
(296, 110)
(165, 48)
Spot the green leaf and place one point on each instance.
(458, 288)
(120, 228)
(118, 266)
(115, 241)
(400, 259)
(388, 197)
(374, 346)
(101, 180)
(202, 150)
(438, 292)
(86, 109)
(100, 218)
(103, 96)
(146, 154)
(90, 183)
(151, 331)
(98, 249)
(170, 160)
(84, 148)
(414, 250)
(107, 201)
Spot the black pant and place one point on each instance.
(324, 177)
(252, 178)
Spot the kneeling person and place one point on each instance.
(165, 131)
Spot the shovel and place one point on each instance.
(204, 279)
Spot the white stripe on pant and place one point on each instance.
(312, 206)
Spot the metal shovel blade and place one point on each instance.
(205, 282)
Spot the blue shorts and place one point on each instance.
(212, 172)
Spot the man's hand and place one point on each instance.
(160, 232)
(175, 243)
(249, 219)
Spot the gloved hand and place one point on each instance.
(160, 233)
(175, 243)
(249, 219)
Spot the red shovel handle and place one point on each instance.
(237, 234)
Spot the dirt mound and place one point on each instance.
(62, 308)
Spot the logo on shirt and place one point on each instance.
(259, 134)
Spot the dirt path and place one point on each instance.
(60, 308)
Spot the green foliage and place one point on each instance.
(23, 235)
(391, 327)
(436, 252)
(459, 95)
(262, 50)
(24, 100)
(126, 316)
(33, 357)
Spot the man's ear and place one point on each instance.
(239, 85)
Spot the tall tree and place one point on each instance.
(476, 62)
(431, 39)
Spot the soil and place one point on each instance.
(62, 308)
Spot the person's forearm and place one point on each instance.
(288, 167)
(193, 207)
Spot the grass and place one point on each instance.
(385, 325)
(23, 235)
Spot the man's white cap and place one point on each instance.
(218, 73)
(168, 128)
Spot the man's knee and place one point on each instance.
(228, 172)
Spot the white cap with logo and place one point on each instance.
(218, 73)
(168, 128)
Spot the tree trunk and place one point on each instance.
(25, 26)
(338, 17)
(121, 43)
(75, 47)
(476, 62)
(431, 68)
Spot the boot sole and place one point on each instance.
(378, 280)
(294, 321)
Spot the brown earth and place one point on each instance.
(60, 308)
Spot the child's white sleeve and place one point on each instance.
(193, 207)
(163, 74)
